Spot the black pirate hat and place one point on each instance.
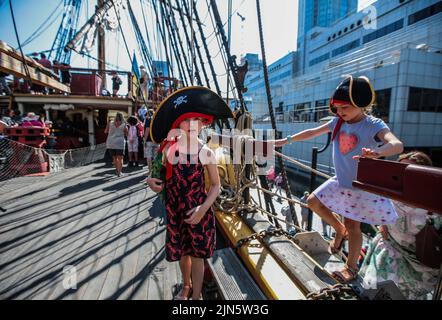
(356, 91)
(186, 103)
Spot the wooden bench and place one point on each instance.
(233, 280)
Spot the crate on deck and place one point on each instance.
(86, 84)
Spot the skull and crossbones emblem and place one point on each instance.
(180, 100)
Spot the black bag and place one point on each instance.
(429, 245)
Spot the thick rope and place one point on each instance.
(319, 173)
(282, 197)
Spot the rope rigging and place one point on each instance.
(196, 44)
(66, 30)
(270, 106)
(174, 43)
(174, 27)
(19, 44)
(163, 37)
(189, 45)
(227, 58)
(146, 55)
(209, 59)
(42, 28)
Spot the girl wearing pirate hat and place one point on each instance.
(190, 234)
(354, 136)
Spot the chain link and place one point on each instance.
(261, 235)
(336, 292)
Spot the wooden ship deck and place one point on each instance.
(112, 230)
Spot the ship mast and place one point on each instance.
(101, 50)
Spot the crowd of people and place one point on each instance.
(60, 71)
(132, 135)
(76, 130)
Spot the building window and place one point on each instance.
(321, 109)
(347, 47)
(425, 13)
(280, 108)
(319, 59)
(302, 112)
(426, 100)
(384, 31)
(381, 108)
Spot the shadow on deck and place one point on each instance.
(111, 230)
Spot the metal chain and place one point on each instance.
(261, 235)
(336, 292)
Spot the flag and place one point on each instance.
(135, 68)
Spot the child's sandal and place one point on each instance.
(333, 249)
(346, 275)
(180, 295)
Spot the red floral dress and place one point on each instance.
(184, 191)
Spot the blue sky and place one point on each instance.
(30, 14)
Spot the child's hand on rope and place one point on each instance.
(368, 153)
(155, 184)
(195, 215)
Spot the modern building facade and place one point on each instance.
(397, 44)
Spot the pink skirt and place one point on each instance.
(356, 204)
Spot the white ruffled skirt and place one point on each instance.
(356, 204)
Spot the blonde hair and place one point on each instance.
(417, 157)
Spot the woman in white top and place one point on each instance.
(115, 143)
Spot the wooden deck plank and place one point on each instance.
(146, 252)
(122, 269)
(156, 268)
(51, 237)
(95, 236)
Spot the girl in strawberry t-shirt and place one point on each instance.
(355, 135)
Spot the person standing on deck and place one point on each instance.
(271, 177)
(278, 183)
(116, 83)
(115, 143)
(4, 88)
(150, 148)
(190, 233)
(144, 82)
(357, 135)
(304, 211)
(45, 62)
(285, 211)
(132, 140)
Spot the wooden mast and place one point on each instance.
(101, 49)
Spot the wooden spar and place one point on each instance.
(273, 280)
(11, 62)
(101, 50)
(416, 185)
(307, 275)
(97, 16)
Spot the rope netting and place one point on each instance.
(17, 159)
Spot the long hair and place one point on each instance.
(119, 117)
